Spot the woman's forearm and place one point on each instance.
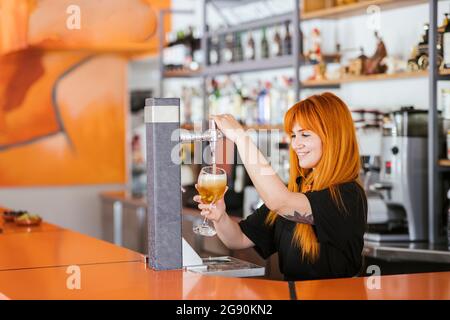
(231, 234)
(266, 181)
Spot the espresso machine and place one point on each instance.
(403, 186)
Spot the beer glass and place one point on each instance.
(211, 186)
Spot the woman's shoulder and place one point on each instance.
(353, 186)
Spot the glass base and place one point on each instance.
(205, 230)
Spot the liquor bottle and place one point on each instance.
(214, 98)
(237, 100)
(287, 42)
(238, 51)
(446, 46)
(277, 44)
(228, 52)
(264, 104)
(276, 103)
(264, 45)
(250, 49)
(214, 51)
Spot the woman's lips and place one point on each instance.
(302, 154)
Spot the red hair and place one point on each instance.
(329, 117)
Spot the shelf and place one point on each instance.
(444, 74)
(252, 25)
(263, 64)
(249, 66)
(358, 8)
(375, 77)
(182, 74)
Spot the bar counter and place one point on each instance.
(34, 264)
(394, 251)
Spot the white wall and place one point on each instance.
(76, 208)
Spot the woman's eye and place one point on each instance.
(305, 134)
(292, 136)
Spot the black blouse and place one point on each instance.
(340, 234)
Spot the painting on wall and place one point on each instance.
(63, 120)
(63, 93)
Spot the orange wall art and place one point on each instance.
(63, 93)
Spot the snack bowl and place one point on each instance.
(11, 215)
(28, 220)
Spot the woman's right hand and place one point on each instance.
(213, 212)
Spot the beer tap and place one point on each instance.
(212, 135)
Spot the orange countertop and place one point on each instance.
(58, 248)
(133, 280)
(419, 286)
(33, 265)
(11, 227)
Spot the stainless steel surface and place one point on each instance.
(117, 222)
(385, 237)
(403, 184)
(211, 135)
(408, 251)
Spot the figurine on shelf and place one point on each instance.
(315, 53)
(315, 56)
(357, 66)
(375, 64)
(419, 54)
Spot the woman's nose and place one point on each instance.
(297, 143)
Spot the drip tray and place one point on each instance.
(228, 267)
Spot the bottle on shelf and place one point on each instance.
(446, 46)
(250, 48)
(277, 44)
(228, 51)
(238, 51)
(264, 45)
(237, 100)
(180, 37)
(214, 51)
(287, 41)
(264, 103)
(214, 97)
(276, 102)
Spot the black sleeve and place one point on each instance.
(259, 232)
(335, 224)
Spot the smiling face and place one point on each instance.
(307, 145)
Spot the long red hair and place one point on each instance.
(329, 117)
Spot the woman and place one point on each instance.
(317, 223)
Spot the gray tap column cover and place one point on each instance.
(162, 118)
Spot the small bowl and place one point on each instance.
(10, 216)
(29, 222)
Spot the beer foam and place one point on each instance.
(213, 179)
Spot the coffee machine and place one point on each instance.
(403, 180)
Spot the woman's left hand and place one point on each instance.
(230, 127)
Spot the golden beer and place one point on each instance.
(211, 187)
